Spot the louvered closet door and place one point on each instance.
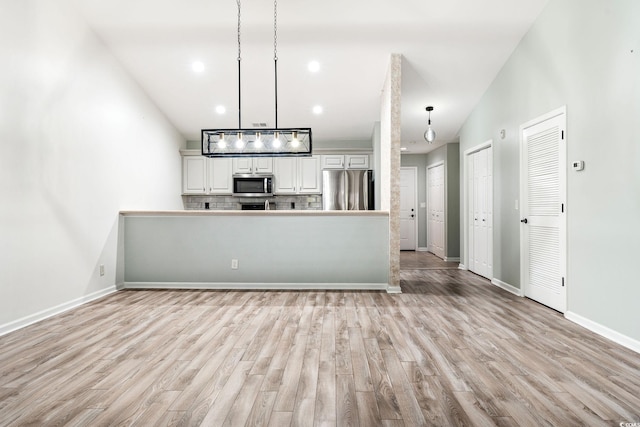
(543, 205)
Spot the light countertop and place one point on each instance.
(301, 213)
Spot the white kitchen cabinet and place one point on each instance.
(332, 161)
(285, 174)
(220, 176)
(309, 175)
(297, 175)
(345, 161)
(252, 165)
(357, 161)
(202, 175)
(263, 165)
(194, 175)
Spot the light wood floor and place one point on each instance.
(414, 260)
(451, 350)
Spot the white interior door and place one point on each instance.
(436, 218)
(480, 211)
(408, 212)
(543, 229)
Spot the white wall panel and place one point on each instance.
(79, 141)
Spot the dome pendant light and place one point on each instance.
(430, 134)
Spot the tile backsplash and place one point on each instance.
(219, 203)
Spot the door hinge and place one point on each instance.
(562, 207)
(563, 135)
(563, 282)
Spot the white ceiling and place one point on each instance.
(451, 51)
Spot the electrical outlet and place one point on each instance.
(101, 269)
(234, 264)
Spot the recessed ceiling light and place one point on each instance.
(220, 109)
(197, 67)
(403, 148)
(314, 66)
(317, 109)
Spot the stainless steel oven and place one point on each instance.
(253, 185)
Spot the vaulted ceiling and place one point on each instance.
(451, 50)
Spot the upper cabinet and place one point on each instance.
(252, 165)
(194, 175)
(297, 175)
(357, 161)
(292, 175)
(345, 161)
(309, 175)
(220, 176)
(202, 175)
(285, 175)
(332, 161)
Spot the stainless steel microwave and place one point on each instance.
(253, 185)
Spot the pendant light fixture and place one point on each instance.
(430, 134)
(260, 142)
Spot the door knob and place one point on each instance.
(524, 221)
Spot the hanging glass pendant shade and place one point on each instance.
(430, 134)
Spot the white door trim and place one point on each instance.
(431, 166)
(464, 263)
(562, 111)
(415, 202)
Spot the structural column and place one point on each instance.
(390, 163)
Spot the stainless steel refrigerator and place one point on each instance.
(350, 190)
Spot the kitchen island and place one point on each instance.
(282, 249)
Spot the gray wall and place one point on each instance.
(295, 250)
(584, 54)
(452, 166)
(449, 154)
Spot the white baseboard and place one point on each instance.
(507, 287)
(462, 267)
(599, 329)
(50, 312)
(452, 259)
(257, 286)
(422, 249)
(394, 290)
